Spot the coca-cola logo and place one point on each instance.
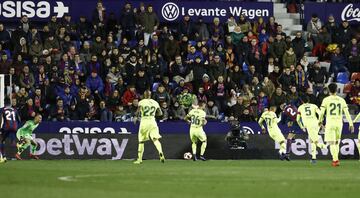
(350, 14)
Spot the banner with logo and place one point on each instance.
(340, 11)
(116, 147)
(168, 11)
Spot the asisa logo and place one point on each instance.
(40, 9)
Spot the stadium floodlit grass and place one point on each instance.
(178, 178)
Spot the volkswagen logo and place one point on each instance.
(170, 11)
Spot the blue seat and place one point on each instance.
(155, 86)
(342, 77)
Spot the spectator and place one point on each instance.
(298, 44)
(352, 51)
(314, 27)
(5, 64)
(27, 112)
(286, 80)
(212, 111)
(95, 84)
(246, 116)
(105, 114)
(278, 98)
(289, 58)
(338, 63)
(244, 24)
(237, 35)
(150, 24)
(92, 113)
(237, 109)
(165, 110)
(4, 36)
(161, 95)
(186, 99)
(27, 79)
(177, 112)
(59, 112)
(301, 79)
(277, 49)
(129, 95)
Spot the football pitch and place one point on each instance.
(178, 178)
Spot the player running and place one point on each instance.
(9, 122)
(148, 127)
(358, 143)
(308, 122)
(271, 121)
(288, 117)
(334, 106)
(25, 138)
(196, 117)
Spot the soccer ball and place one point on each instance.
(187, 156)
(3, 160)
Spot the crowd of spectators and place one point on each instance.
(98, 68)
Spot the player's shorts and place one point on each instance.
(276, 135)
(197, 133)
(24, 137)
(11, 134)
(148, 131)
(294, 128)
(333, 132)
(313, 132)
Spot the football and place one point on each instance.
(187, 156)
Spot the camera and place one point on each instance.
(236, 138)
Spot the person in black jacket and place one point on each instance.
(318, 77)
(128, 22)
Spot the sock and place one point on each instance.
(33, 149)
(158, 146)
(140, 151)
(2, 149)
(282, 148)
(288, 145)
(193, 147)
(334, 152)
(22, 147)
(321, 145)
(313, 151)
(358, 145)
(203, 148)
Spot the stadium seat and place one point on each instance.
(326, 65)
(155, 86)
(117, 43)
(355, 76)
(340, 90)
(342, 77)
(347, 88)
(312, 59)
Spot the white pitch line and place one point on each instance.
(74, 178)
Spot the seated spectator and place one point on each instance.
(73, 113)
(95, 84)
(355, 93)
(59, 112)
(246, 116)
(286, 80)
(129, 95)
(105, 114)
(165, 110)
(338, 63)
(92, 113)
(177, 112)
(186, 99)
(212, 111)
(289, 58)
(27, 111)
(161, 95)
(278, 98)
(27, 79)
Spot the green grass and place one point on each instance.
(179, 178)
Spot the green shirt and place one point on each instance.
(28, 128)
